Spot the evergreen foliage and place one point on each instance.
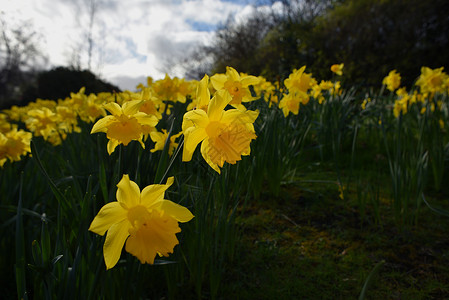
(370, 37)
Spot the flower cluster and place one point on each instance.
(218, 118)
(225, 135)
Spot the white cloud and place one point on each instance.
(133, 39)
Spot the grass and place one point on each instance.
(310, 244)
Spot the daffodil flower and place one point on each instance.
(160, 138)
(224, 135)
(173, 89)
(202, 99)
(235, 85)
(125, 124)
(337, 69)
(392, 80)
(299, 82)
(432, 81)
(14, 144)
(292, 101)
(144, 220)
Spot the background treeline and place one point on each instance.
(24, 73)
(54, 84)
(371, 37)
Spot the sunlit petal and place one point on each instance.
(128, 193)
(218, 81)
(198, 117)
(249, 80)
(115, 239)
(113, 108)
(108, 215)
(102, 124)
(192, 137)
(204, 152)
(155, 193)
(218, 104)
(178, 212)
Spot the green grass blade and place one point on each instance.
(435, 209)
(162, 169)
(58, 194)
(20, 249)
(370, 279)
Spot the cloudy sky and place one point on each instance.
(132, 39)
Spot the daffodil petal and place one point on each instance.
(113, 108)
(154, 193)
(178, 212)
(102, 124)
(218, 104)
(108, 215)
(204, 149)
(232, 74)
(218, 81)
(192, 137)
(249, 80)
(113, 245)
(198, 117)
(202, 92)
(112, 144)
(235, 115)
(132, 107)
(186, 124)
(128, 192)
(158, 137)
(145, 119)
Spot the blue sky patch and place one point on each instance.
(201, 26)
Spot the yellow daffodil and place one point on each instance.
(317, 93)
(14, 144)
(202, 99)
(432, 81)
(337, 69)
(149, 83)
(92, 109)
(144, 220)
(69, 119)
(237, 86)
(151, 105)
(16, 113)
(392, 80)
(299, 82)
(326, 85)
(266, 90)
(46, 123)
(125, 124)
(172, 89)
(336, 89)
(290, 103)
(224, 135)
(77, 100)
(401, 106)
(160, 138)
(5, 125)
(365, 102)
(341, 190)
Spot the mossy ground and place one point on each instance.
(307, 243)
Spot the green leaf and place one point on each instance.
(58, 194)
(20, 249)
(370, 279)
(435, 209)
(162, 169)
